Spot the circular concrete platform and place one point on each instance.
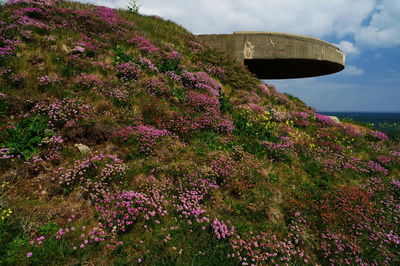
(278, 55)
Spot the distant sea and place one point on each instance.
(375, 118)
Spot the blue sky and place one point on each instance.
(368, 31)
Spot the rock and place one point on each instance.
(83, 148)
(334, 119)
(65, 48)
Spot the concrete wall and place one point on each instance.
(277, 46)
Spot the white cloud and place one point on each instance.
(312, 17)
(353, 71)
(373, 23)
(384, 27)
(348, 48)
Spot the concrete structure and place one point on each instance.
(278, 55)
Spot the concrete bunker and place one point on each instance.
(279, 55)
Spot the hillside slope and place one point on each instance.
(126, 141)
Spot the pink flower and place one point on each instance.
(29, 254)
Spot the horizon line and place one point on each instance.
(374, 112)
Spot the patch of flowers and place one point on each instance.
(223, 169)
(376, 167)
(87, 81)
(128, 71)
(156, 86)
(277, 150)
(31, 2)
(93, 174)
(61, 113)
(5, 153)
(147, 63)
(201, 81)
(119, 211)
(379, 135)
(191, 193)
(325, 120)
(47, 81)
(147, 136)
(144, 44)
(267, 248)
(221, 230)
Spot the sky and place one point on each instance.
(368, 31)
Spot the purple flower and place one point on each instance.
(380, 135)
(323, 119)
(47, 80)
(174, 55)
(144, 44)
(128, 71)
(78, 49)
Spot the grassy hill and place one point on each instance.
(125, 141)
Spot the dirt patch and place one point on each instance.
(88, 134)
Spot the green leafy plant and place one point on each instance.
(170, 65)
(121, 56)
(48, 228)
(179, 94)
(25, 138)
(4, 105)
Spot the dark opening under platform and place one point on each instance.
(291, 68)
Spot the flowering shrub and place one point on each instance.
(87, 81)
(197, 47)
(225, 125)
(174, 55)
(128, 71)
(221, 230)
(6, 50)
(263, 88)
(200, 102)
(78, 49)
(47, 81)
(385, 160)
(350, 130)
(92, 174)
(277, 150)
(267, 248)
(31, 2)
(147, 63)
(223, 169)
(61, 112)
(144, 44)
(256, 125)
(119, 211)
(325, 120)
(174, 77)
(53, 146)
(156, 86)
(189, 201)
(376, 167)
(201, 81)
(379, 135)
(5, 153)
(146, 136)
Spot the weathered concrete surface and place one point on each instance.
(279, 55)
